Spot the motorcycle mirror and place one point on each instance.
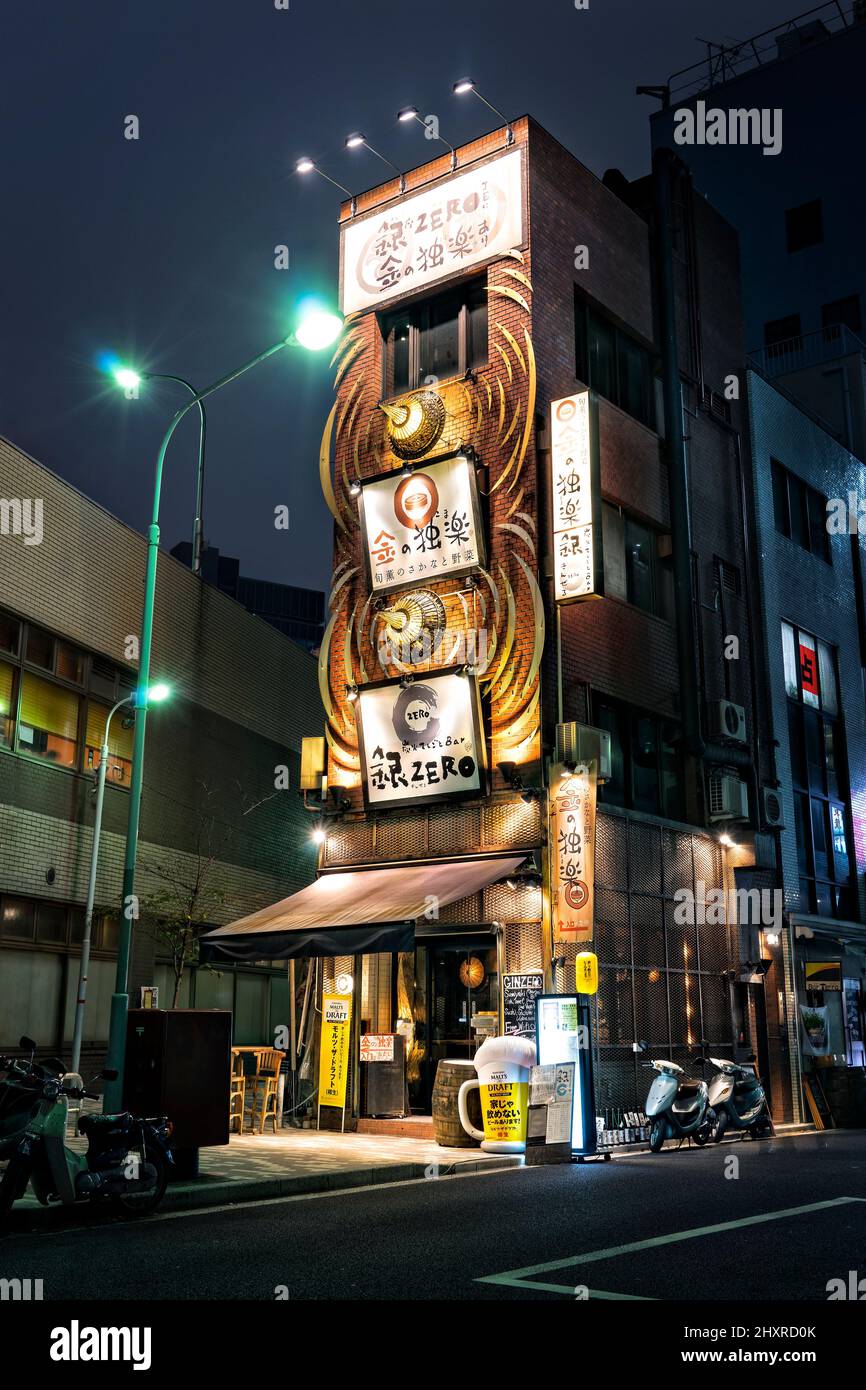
(27, 1044)
(108, 1075)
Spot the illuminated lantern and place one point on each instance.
(586, 973)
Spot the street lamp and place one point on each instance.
(410, 113)
(317, 329)
(155, 695)
(467, 84)
(353, 142)
(130, 380)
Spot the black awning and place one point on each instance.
(322, 941)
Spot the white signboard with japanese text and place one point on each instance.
(572, 847)
(575, 499)
(466, 219)
(422, 525)
(421, 741)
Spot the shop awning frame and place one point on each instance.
(354, 911)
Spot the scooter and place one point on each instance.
(19, 1092)
(126, 1162)
(737, 1097)
(677, 1109)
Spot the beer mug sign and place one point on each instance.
(503, 1067)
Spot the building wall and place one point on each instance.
(243, 697)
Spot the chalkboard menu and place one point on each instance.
(519, 993)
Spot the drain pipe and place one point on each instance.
(681, 537)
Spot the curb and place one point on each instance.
(204, 1193)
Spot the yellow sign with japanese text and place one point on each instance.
(334, 1052)
(572, 851)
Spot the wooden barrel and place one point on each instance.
(447, 1128)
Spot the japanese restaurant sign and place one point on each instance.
(334, 1052)
(421, 740)
(377, 1047)
(575, 498)
(422, 525)
(572, 851)
(466, 219)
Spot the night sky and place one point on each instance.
(161, 250)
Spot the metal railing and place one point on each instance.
(807, 350)
(727, 61)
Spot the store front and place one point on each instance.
(830, 969)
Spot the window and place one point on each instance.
(841, 312)
(633, 569)
(119, 744)
(818, 774)
(10, 633)
(440, 337)
(804, 225)
(645, 760)
(7, 704)
(614, 363)
(48, 721)
(781, 335)
(800, 512)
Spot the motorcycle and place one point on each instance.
(126, 1161)
(676, 1108)
(19, 1092)
(737, 1097)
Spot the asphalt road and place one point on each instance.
(444, 1238)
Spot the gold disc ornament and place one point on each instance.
(415, 423)
(472, 973)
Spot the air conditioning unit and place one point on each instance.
(729, 721)
(729, 797)
(772, 815)
(580, 743)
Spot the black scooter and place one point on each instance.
(738, 1098)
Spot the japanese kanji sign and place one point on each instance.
(466, 219)
(377, 1047)
(421, 741)
(422, 525)
(572, 851)
(574, 488)
(334, 1054)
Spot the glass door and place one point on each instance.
(462, 981)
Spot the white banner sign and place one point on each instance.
(572, 848)
(421, 741)
(573, 483)
(422, 526)
(466, 219)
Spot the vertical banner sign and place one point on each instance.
(334, 1052)
(578, 564)
(572, 851)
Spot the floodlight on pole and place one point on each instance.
(305, 165)
(467, 84)
(357, 139)
(410, 113)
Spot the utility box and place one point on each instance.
(178, 1063)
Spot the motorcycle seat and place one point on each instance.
(88, 1122)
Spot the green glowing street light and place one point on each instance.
(127, 378)
(316, 329)
(155, 695)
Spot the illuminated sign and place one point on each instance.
(421, 740)
(572, 851)
(334, 1052)
(421, 524)
(578, 566)
(466, 219)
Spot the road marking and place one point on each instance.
(521, 1278)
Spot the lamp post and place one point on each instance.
(155, 693)
(317, 330)
(467, 84)
(130, 380)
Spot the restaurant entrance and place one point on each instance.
(455, 981)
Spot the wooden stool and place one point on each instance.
(237, 1092)
(265, 1090)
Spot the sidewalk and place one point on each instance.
(297, 1161)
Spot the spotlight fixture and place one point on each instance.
(355, 487)
(727, 841)
(410, 113)
(406, 681)
(510, 774)
(357, 139)
(305, 165)
(468, 669)
(319, 835)
(351, 693)
(466, 84)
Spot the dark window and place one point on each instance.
(804, 225)
(10, 633)
(17, 918)
(40, 649)
(51, 924)
(818, 773)
(633, 568)
(439, 337)
(782, 335)
(800, 512)
(646, 770)
(614, 363)
(841, 312)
